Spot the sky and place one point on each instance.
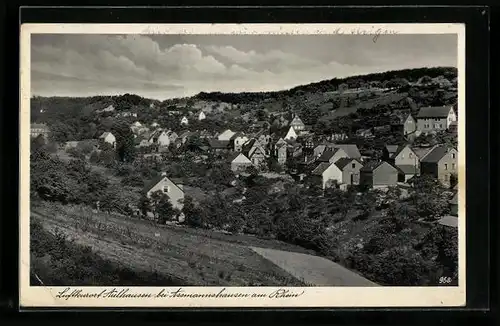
(169, 66)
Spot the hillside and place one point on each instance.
(335, 96)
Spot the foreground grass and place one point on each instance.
(56, 260)
(178, 255)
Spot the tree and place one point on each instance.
(125, 147)
(192, 213)
(165, 210)
(37, 143)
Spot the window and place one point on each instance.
(165, 188)
(446, 166)
(410, 155)
(436, 119)
(440, 125)
(453, 166)
(452, 155)
(353, 165)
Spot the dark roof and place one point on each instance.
(421, 151)
(436, 154)
(407, 169)
(434, 112)
(344, 161)
(320, 168)
(215, 143)
(370, 166)
(327, 155)
(350, 149)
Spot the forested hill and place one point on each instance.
(386, 79)
(322, 102)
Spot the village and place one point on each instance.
(294, 151)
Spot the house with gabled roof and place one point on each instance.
(217, 145)
(332, 155)
(239, 162)
(291, 134)
(279, 151)
(237, 140)
(351, 150)
(409, 125)
(404, 158)
(108, 137)
(434, 119)
(326, 173)
(441, 162)
(255, 152)
(297, 124)
(171, 187)
(39, 129)
(350, 168)
(378, 174)
(201, 116)
(184, 120)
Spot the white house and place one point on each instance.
(161, 138)
(155, 125)
(237, 140)
(184, 121)
(226, 135)
(109, 138)
(291, 134)
(327, 172)
(240, 162)
(201, 116)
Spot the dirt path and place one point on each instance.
(313, 270)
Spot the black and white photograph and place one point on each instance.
(285, 160)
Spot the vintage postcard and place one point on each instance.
(242, 165)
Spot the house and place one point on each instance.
(350, 168)
(440, 162)
(434, 119)
(109, 108)
(291, 134)
(332, 155)
(172, 135)
(218, 146)
(409, 125)
(454, 204)
(237, 141)
(155, 125)
(39, 129)
(338, 136)
(326, 173)
(279, 150)
(174, 191)
(201, 116)
(263, 138)
(351, 150)
(378, 174)
(226, 135)
(239, 162)
(404, 159)
(255, 152)
(160, 138)
(297, 124)
(184, 120)
(109, 138)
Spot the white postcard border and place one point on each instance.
(309, 296)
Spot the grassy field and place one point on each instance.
(191, 257)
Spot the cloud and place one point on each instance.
(113, 64)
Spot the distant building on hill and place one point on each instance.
(108, 137)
